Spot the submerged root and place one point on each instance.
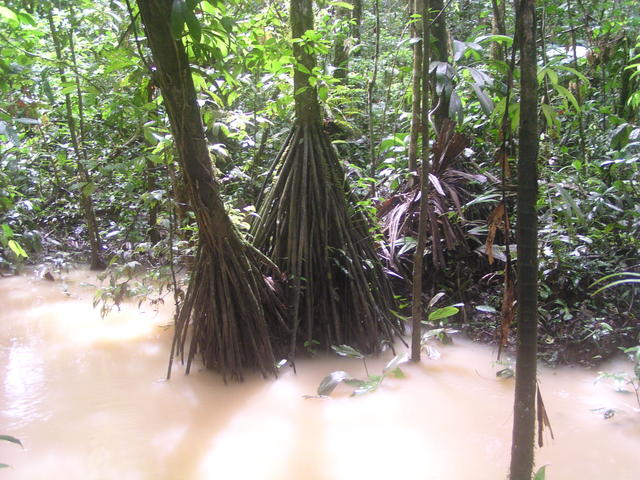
(228, 313)
(337, 291)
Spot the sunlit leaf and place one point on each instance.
(331, 381)
(396, 361)
(8, 14)
(347, 351)
(18, 251)
(443, 312)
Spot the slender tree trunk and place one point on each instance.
(340, 51)
(357, 18)
(337, 290)
(373, 156)
(77, 140)
(441, 53)
(578, 89)
(306, 96)
(498, 28)
(418, 259)
(527, 231)
(416, 32)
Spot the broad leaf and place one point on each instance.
(346, 351)
(331, 381)
(485, 102)
(9, 438)
(395, 362)
(443, 312)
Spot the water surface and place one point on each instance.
(88, 399)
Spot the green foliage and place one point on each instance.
(360, 387)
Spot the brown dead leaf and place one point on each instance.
(493, 223)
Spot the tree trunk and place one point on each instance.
(337, 291)
(527, 238)
(77, 140)
(357, 18)
(226, 306)
(441, 53)
(418, 259)
(340, 51)
(498, 28)
(306, 96)
(415, 6)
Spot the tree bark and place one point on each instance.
(527, 230)
(416, 33)
(441, 53)
(417, 311)
(79, 149)
(340, 51)
(224, 302)
(306, 96)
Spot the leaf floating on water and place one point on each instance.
(331, 381)
(9, 438)
(505, 373)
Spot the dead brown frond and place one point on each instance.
(399, 214)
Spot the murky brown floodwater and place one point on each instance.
(87, 398)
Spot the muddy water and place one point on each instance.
(87, 398)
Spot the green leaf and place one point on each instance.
(441, 313)
(179, 12)
(395, 362)
(8, 14)
(9, 438)
(88, 188)
(541, 473)
(19, 252)
(346, 351)
(323, 93)
(195, 30)
(485, 102)
(568, 95)
(331, 381)
(455, 107)
(494, 38)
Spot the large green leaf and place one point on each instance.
(443, 312)
(485, 102)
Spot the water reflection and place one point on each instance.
(87, 397)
